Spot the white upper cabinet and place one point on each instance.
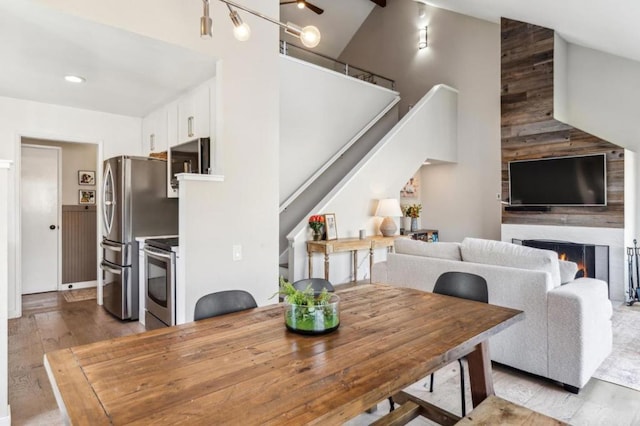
(155, 132)
(194, 114)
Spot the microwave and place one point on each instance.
(190, 157)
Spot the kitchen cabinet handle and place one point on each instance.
(190, 126)
(152, 142)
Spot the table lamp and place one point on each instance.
(388, 208)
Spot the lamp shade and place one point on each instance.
(389, 207)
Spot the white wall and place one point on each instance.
(464, 52)
(428, 130)
(4, 207)
(602, 95)
(115, 135)
(560, 78)
(320, 112)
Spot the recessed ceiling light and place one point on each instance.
(74, 79)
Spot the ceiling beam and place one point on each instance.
(381, 3)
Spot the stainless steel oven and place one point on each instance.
(160, 267)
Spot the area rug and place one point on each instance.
(80, 294)
(622, 367)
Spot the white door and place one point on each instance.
(39, 214)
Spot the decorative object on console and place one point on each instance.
(316, 223)
(331, 229)
(388, 208)
(413, 211)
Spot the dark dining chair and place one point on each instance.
(466, 286)
(317, 284)
(223, 302)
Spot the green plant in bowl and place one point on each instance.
(309, 313)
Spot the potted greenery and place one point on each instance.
(309, 313)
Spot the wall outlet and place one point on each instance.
(237, 252)
(498, 196)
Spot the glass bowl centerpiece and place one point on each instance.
(309, 312)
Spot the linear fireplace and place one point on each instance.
(592, 259)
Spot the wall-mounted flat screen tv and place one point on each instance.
(560, 181)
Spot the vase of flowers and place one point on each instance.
(316, 223)
(413, 211)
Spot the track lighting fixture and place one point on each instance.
(205, 21)
(241, 30)
(309, 35)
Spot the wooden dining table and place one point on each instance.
(246, 368)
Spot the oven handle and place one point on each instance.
(108, 268)
(158, 253)
(110, 246)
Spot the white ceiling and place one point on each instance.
(126, 73)
(610, 26)
(132, 75)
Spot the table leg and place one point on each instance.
(310, 264)
(480, 373)
(355, 266)
(326, 266)
(370, 264)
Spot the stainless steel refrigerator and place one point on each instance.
(135, 204)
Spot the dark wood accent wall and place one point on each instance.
(530, 131)
(79, 244)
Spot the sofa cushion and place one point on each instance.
(512, 255)
(438, 250)
(568, 271)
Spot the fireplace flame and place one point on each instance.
(582, 269)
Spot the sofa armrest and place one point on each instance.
(379, 272)
(580, 333)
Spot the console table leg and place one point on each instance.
(310, 264)
(370, 264)
(355, 266)
(326, 266)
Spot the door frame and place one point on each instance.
(17, 214)
(58, 150)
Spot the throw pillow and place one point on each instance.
(568, 271)
(438, 250)
(501, 253)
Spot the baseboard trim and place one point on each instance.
(81, 284)
(6, 421)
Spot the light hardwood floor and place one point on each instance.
(49, 323)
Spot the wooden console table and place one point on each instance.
(347, 244)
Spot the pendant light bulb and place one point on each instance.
(300, 4)
(241, 31)
(310, 36)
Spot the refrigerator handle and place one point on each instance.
(112, 247)
(108, 268)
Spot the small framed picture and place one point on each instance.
(330, 226)
(86, 177)
(86, 196)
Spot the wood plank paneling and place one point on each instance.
(529, 130)
(79, 244)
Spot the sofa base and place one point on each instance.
(572, 389)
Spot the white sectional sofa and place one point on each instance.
(566, 332)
